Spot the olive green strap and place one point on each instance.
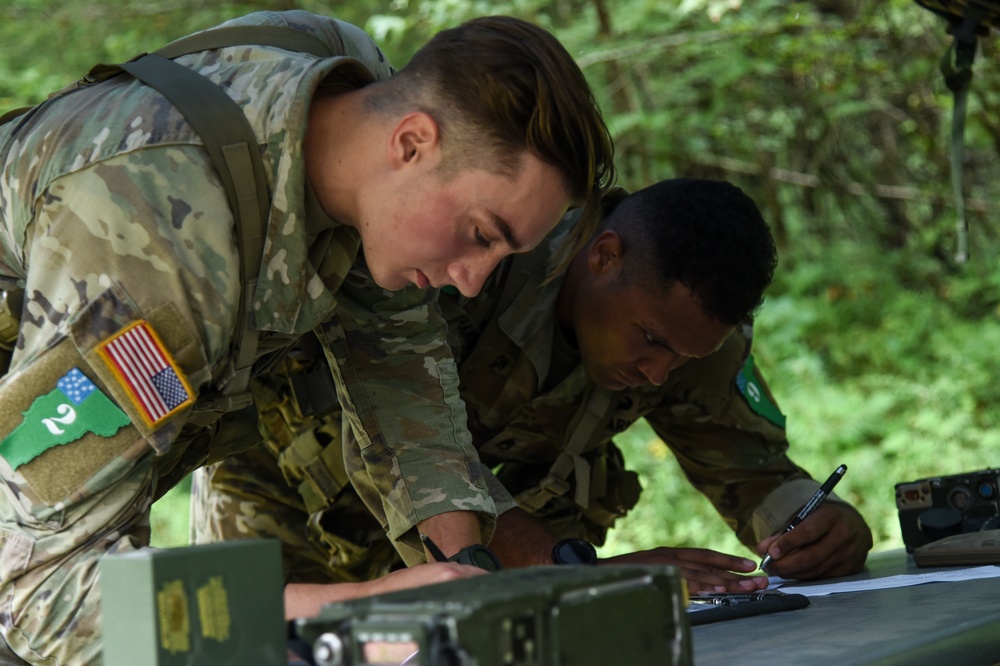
(588, 423)
(233, 147)
(587, 426)
(280, 37)
(234, 150)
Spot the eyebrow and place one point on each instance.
(662, 341)
(502, 227)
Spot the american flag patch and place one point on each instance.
(147, 372)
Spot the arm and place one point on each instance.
(523, 540)
(833, 541)
(88, 493)
(411, 456)
(306, 600)
(738, 458)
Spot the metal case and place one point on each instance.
(539, 616)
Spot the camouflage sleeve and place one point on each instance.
(723, 426)
(398, 386)
(247, 497)
(79, 445)
(293, 487)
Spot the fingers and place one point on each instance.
(834, 541)
(704, 570)
(711, 559)
(423, 574)
(703, 581)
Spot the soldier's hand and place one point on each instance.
(306, 599)
(704, 570)
(833, 541)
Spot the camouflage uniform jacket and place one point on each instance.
(715, 414)
(114, 221)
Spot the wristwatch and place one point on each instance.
(574, 551)
(477, 555)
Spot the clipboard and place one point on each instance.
(705, 609)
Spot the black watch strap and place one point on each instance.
(477, 555)
(574, 551)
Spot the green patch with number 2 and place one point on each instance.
(72, 409)
(753, 392)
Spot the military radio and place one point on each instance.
(538, 616)
(942, 506)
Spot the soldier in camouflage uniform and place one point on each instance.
(117, 230)
(536, 357)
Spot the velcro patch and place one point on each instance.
(147, 373)
(72, 409)
(57, 464)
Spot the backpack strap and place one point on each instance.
(586, 427)
(280, 37)
(233, 148)
(234, 151)
(588, 423)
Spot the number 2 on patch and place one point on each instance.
(67, 415)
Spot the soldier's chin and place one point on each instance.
(388, 280)
(608, 382)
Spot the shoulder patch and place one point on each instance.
(72, 409)
(147, 372)
(750, 388)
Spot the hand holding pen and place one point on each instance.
(810, 506)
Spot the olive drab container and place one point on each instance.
(205, 605)
(538, 616)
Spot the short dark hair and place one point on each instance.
(707, 235)
(498, 86)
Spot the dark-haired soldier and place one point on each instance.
(652, 319)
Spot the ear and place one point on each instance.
(415, 139)
(605, 256)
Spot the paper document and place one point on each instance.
(903, 580)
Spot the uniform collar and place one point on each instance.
(530, 320)
(296, 287)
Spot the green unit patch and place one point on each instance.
(750, 388)
(71, 410)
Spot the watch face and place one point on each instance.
(574, 551)
(485, 559)
(478, 555)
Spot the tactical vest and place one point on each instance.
(590, 420)
(233, 149)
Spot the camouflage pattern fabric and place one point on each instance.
(327, 534)
(519, 415)
(116, 225)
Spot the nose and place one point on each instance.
(656, 370)
(469, 276)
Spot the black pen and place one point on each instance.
(811, 505)
(432, 547)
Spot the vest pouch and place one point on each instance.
(352, 539)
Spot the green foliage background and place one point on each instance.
(832, 114)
